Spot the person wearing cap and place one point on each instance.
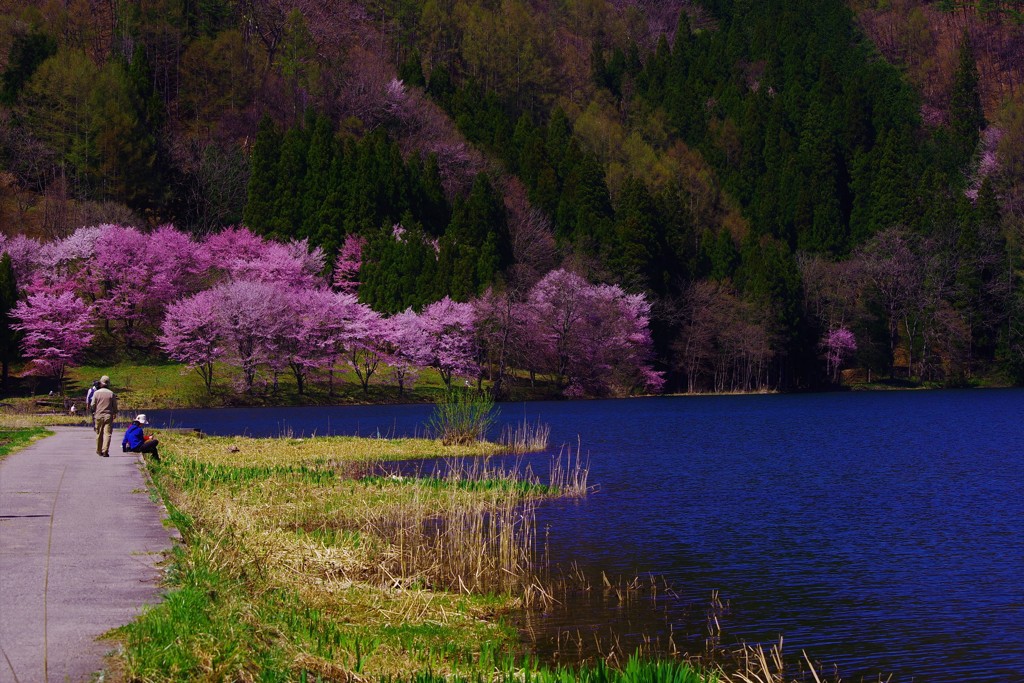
(88, 401)
(135, 439)
(104, 410)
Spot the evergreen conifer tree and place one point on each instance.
(966, 117)
(27, 52)
(288, 192)
(316, 186)
(266, 150)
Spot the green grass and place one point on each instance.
(13, 439)
(636, 671)
(142, 386)
(524, 488)
(153, 385)
(279, 578)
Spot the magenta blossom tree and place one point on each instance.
(233, 244)
(250, 317)
(839, 345)
(501, 331)
(594, 339)
(348, 263)
(134, 276)
(56, 331)
(404, 345)
(180, 265)
(190, 334)
(323, 325)
(25, 256)
(293, 264)
(366, 345)
(448, 339)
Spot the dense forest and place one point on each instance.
(805, 193)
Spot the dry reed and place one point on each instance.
(754, 664)
(525, 437)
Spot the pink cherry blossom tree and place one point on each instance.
(25, 253)
(134, 276)
(56, 330)
(231, 244)
(594, 339)
(292, 264)
(180, 266)
(70, 252)
(348, 263)
(322, 325)
(501, 331)
(448, 339)
(404, 344)
(839, 344)
(190, 334)
(250, 317)
(366, 345)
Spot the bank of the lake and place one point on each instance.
(169, 385)
(172, 386)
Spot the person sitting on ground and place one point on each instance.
(136, 441)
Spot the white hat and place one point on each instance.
(141, 419)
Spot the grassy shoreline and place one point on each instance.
(143, 387)
(295, 565)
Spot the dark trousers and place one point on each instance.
(147, 447)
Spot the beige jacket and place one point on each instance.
(104, 403)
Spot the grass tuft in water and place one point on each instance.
(462, 416)
(525, 437)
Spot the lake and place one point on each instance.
(882, 532)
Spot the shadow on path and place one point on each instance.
(79, 543)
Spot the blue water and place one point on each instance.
(880, 532)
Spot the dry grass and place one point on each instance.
(319, 565)
(525, 437)
(19, 413)
(754, 664)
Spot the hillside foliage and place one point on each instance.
(794, 188)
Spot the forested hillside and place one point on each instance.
(797, 189)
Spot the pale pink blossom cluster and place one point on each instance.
(988, 162)
(839, 345)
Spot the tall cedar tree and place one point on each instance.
(966, 117)
(266, 150)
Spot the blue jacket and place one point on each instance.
(132, 437)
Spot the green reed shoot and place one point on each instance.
(462, 416)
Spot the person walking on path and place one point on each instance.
(88, 401)
(104, 410)
(80, 547)
(136, 441)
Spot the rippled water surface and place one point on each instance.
(880, 532)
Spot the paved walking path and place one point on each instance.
(79, 543)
